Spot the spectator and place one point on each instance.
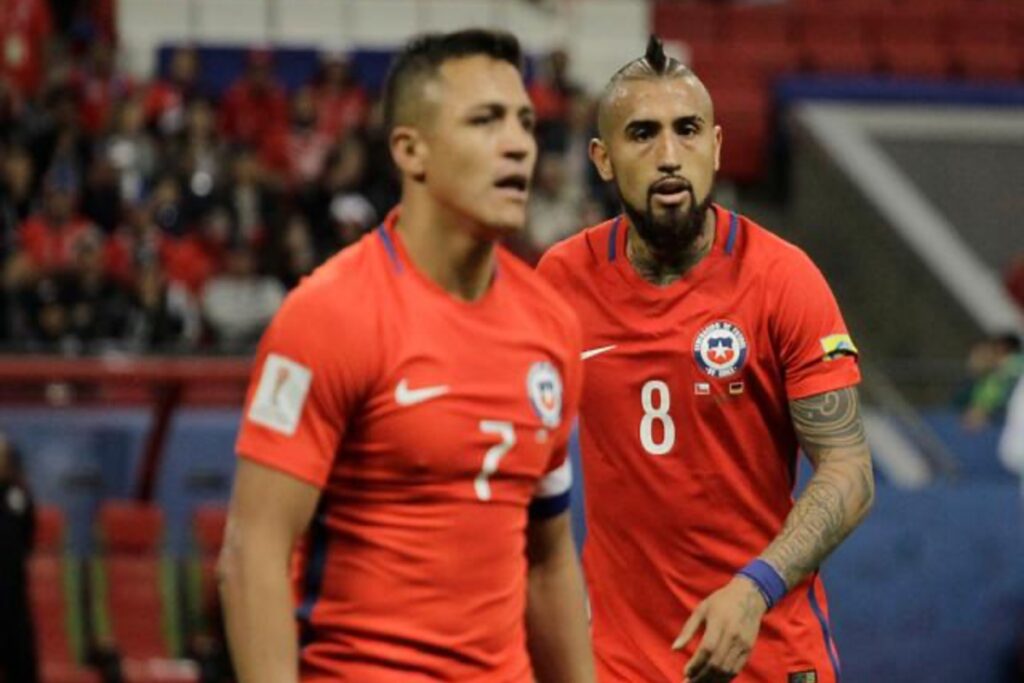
(197, 156)
(298, 153)
(551, 92)
(351, 215)
(100, 88)
(130, 150)
(343, 176)
(295, 253)
(1015, 280)
(101, 196)
(95, 302)
(25, 29)
(162, 315)
(341, 103)
(47, 238)
(167, 209)
(255, 106)
(996, 364)
(167, 100)
(192, 260)
(15, 195)
(250, 199)
(1011, 441)
(17, 530)
(239, 303)
(555, 205)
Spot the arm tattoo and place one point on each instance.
(839, 494)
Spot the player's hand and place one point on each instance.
(731, 617)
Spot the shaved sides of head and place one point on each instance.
(415, 69)
(653, 65)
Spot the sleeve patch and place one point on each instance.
(836, 345)
(281, 394)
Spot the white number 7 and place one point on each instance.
(494, 454)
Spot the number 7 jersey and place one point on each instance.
(688, 450)
(435, 428)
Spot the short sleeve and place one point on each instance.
(305, 386)
(810, 336)
(552, 495)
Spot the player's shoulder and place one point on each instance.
(762, 249)
(539, 296)
(578, 253)
(339, 291)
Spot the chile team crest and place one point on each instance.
(544, 387)
(720, 349)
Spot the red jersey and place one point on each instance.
(25, 26)
(432, 426)
(52, 247)
(688, 448)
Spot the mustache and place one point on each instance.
(673, 183)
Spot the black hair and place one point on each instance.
(654, 64)
(1010, 341)
(422, 57)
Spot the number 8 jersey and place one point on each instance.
(435, 428)
(688, 450)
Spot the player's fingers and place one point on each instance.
(708, 646)
(689, 628)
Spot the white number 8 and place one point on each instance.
(656, 388)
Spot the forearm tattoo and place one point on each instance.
(839, 494)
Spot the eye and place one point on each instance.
(688, 129)
(641, 133)
(482, 119)
(528, 122)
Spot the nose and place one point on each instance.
(518, 143)
(668, 156)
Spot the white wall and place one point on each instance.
(599, 34)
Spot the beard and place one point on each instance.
(673, 232)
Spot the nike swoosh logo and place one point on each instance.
(404, 396)
(590, 353)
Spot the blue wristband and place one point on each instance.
(768, 582)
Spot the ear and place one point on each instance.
(602, 162)
(718, 147)
(409, 152)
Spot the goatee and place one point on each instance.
(672, 234)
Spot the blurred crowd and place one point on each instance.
(151, 215)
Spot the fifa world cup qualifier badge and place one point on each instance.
(720, 349)
(544, 387)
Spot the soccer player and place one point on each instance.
(408, 419)
(713, 350)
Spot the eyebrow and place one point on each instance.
(636, 124)
(500, 108)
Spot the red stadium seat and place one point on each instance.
(208, 525)
(745, 119)
(904, 26)
(916, 60)
(757, 23)
(134, 588)
(980, 23)
(997, 62)
(55, 601)
(816, 25)
(690, 22)
(844, 57)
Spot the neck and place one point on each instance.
(446, 248)
(664, 268)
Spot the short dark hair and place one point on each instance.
(654, 64)
(422, 57)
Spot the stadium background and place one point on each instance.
(171, 167)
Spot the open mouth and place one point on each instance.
(671, 191)
(515, 183)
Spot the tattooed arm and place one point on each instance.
(839, 494)
(835, 501)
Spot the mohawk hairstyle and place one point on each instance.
(654, 64)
